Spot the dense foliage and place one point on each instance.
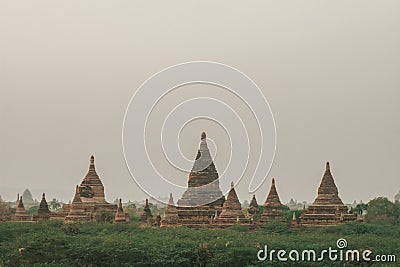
(55, 243)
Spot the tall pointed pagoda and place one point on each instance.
(231, 211)
(43, 212)
(272, 206)
(20, 212)
(327, 209)
(170, 217)
(203, 196)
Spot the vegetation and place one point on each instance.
(383, 211)
(55, 243)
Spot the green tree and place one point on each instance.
(6, 211)
(381, 210)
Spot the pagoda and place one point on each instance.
(327, 209)
(120, 216)
(272, 206)
(20, 212)
(89, 196)
(146, 215)
(231, 211)
(253, 212)
(203, 197)
(170, 217)
(43, 213)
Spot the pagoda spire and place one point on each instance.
(20, 203)
(171, 200)
(91, 166)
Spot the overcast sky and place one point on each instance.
(330, 71)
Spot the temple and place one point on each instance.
(120, 215)
(43, 213)
(20, 212)
(146, 215)
(327, 209)
(89, 198)
(231, 211)
(253, 212)
(170, 217)
(272, 206)
(203, 197)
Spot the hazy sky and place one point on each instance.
(329, 69)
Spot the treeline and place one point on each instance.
(55, 243)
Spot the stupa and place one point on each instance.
(327, 209)
(170, 217)
(91, 196)
(253, 212)
(43, 212)
(203, 196)
(231, 211)
(20, 212)
(146, 215)
(120, 215)
(272, 206)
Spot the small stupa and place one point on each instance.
(120, 215)
(20, 213)
(253, 212)
(170, 217)
(43, 212)
(231, 211)
(272, 206)
(146, 214)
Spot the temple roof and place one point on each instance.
(327, 190)
(232, 209)
(232, 201)
(203, 161)
(273, 197)
(253, 202)
(203, 184)
(92, 178)
(43, 206)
